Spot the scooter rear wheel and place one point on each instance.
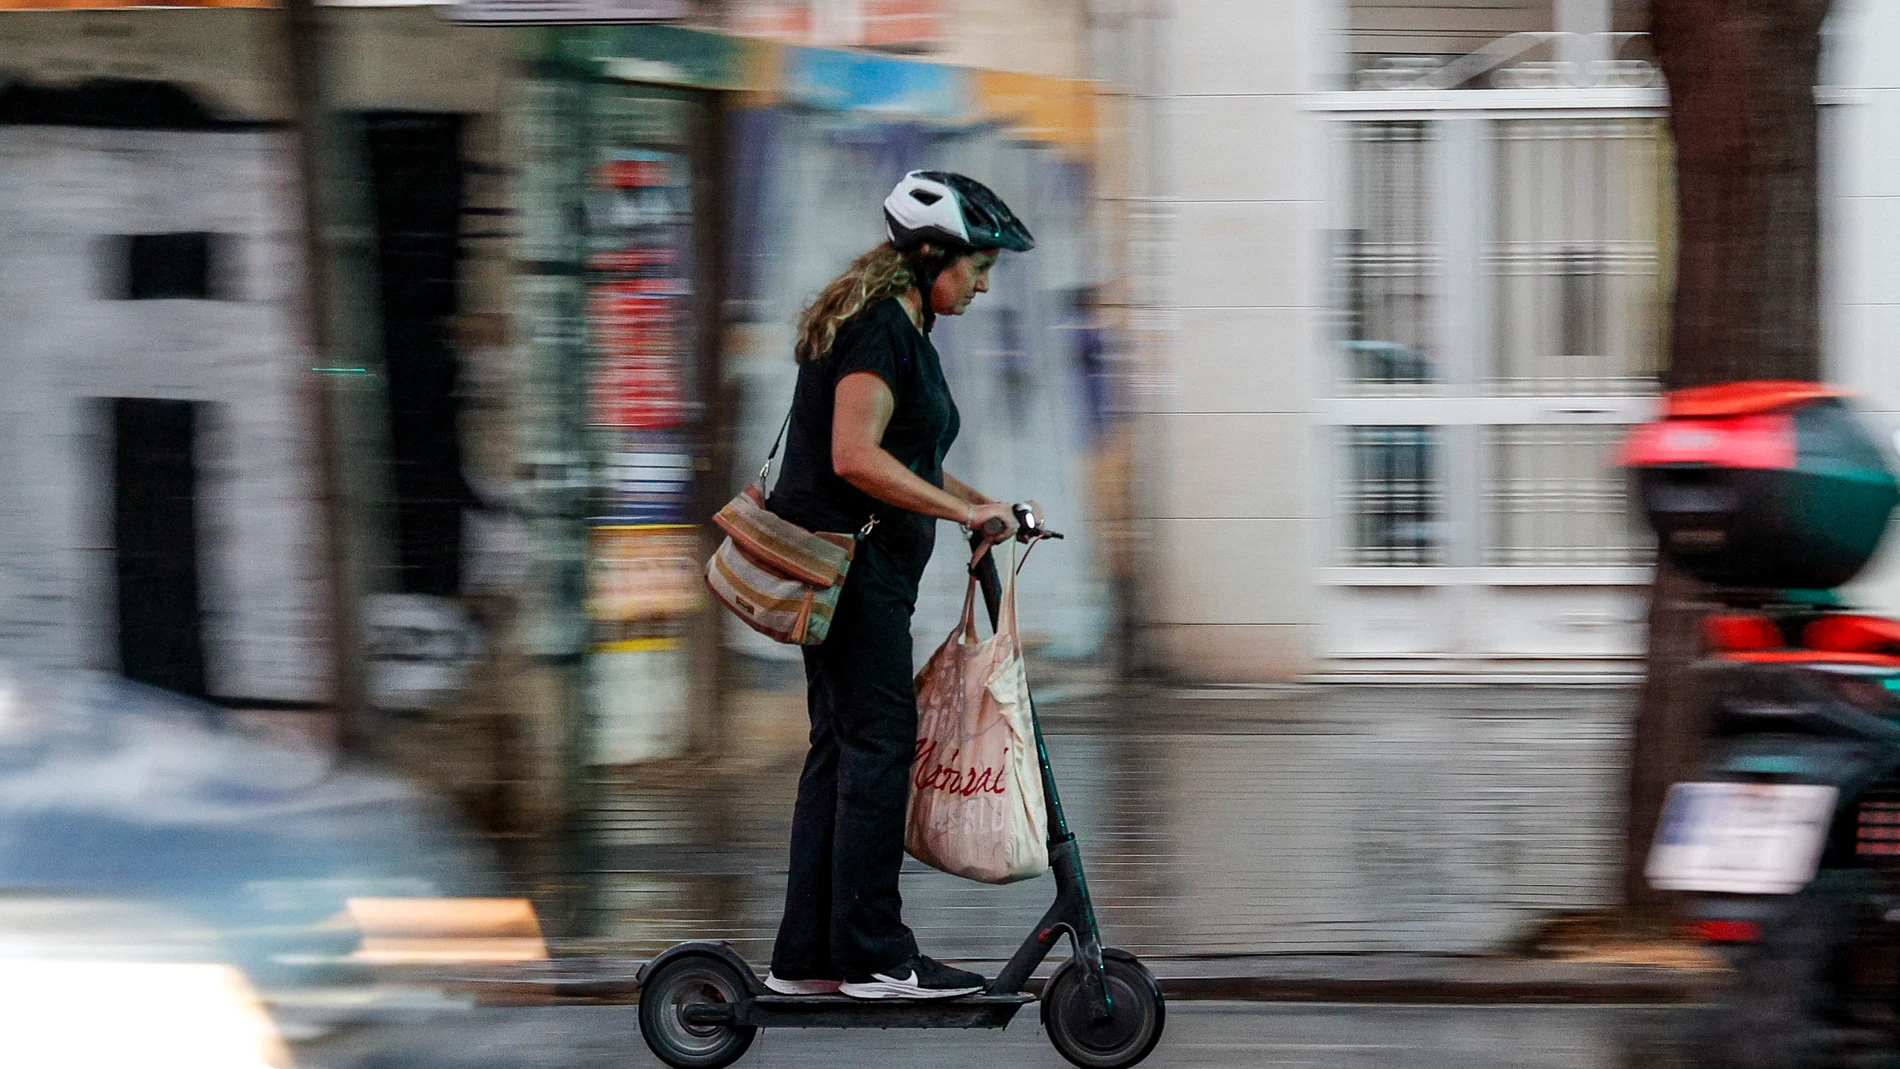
(1133, 1026)
(696, 980)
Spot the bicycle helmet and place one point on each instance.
(955, 215)
(953, 211)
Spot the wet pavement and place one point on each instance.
(1197, 1035)
(1346, 819)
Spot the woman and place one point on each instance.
(871, 420)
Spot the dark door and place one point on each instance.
(415, 164)
(155, 528)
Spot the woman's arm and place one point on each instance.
(965, 492)
(861, 410)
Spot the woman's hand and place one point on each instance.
(983, 513)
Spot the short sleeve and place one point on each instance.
(869, 344)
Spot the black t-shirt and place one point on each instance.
(924, 423)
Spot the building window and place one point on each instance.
(1556, 497)
(1512, 270)
(1392, 496)
(184, 265)
(1577, 255)
(1389, 260)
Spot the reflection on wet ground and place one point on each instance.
(1423, 818)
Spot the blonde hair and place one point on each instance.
(882, 272)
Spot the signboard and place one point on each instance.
(546, 12)
(855, 81)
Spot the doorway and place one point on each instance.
(155, 535)
(416, 171)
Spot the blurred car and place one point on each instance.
(110, 789)
(101, 984)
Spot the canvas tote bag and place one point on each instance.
(976, 805)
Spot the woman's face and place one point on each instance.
(960, 282)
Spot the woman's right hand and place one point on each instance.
(982, 514)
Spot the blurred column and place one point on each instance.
(1586, 26)
(343, 389)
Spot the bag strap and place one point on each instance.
(965, 631)
(765, 472)
(1006, 604)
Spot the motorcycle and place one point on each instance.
(1787, 844)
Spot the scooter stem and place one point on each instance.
(1074, 909)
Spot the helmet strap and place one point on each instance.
(925, 267)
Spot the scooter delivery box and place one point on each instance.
(1762, 484)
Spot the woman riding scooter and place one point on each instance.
(871, 420)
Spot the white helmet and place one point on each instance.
(953, 211)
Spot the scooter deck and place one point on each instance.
(839, 1011)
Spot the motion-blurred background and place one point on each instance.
(371, 371)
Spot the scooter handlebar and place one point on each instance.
(1029, 525)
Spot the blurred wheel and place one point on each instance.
(677, 987)
(1126, 1035)
(1799, 1000)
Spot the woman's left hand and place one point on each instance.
(988, 510)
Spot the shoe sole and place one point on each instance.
(801, 987)
(876, 992)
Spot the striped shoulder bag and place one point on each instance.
(779, 578)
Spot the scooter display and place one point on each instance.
(701, 1004)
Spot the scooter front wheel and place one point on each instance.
(667, 995)
(1080, 1032)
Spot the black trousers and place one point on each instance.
(843, 912)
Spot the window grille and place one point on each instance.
(1392, 496)
(1577, 257)
(1389, 260)
(1556, 497)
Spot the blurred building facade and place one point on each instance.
(1408, 286)
(1403, 283)
(1357, 297)
(218, 366)
(565, 262)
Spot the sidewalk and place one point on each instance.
(1417, 820)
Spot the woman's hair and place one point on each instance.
(882, 272)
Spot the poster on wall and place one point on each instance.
(647, 478)
(643, 567)
(639, 291)
(642, 572)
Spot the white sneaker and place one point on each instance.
(937, 980)
(801, 987)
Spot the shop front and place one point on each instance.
(680, 195)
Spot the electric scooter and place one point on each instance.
(701, 1005)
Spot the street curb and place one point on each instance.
(1462, 992)
(1368, 978)
(1408, 978)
